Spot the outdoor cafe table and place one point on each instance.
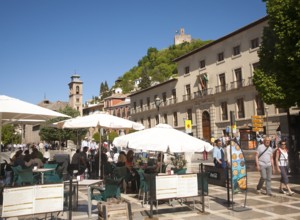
(42, 171)
(88, 183)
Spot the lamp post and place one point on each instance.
(267, 123)
(157, 103)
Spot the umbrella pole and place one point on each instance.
(99, 150)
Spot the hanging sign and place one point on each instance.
(188, 126)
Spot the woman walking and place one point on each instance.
(282, 167)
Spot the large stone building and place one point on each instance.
(212, 81)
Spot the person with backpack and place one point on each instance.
(264, 164)
(282, 167)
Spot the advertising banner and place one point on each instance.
(238, 169)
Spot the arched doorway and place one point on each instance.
(206, 129)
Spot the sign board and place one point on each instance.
(257, 129)
(176, 186)
(30, 200)
(188, 126)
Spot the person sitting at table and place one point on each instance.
(133, 175)
(160, 162)
(36, 153)
(18, 159)
(34, 161)
(121, 159)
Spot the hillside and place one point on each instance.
(156, 66)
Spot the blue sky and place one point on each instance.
(44, 42)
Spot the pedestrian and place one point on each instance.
(219, 155)
(282, 167)
(264, 164)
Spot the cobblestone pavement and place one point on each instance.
(279, 206)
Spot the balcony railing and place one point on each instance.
(186, 97)
(203, 92)
(237, 84)
(221, 88)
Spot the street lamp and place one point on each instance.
(157, 103)
(267, 124)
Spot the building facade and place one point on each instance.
(213, 81)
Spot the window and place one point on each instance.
(77, 100)
(174, 93)
(220, 56)
(165, 118)
(254, 43)
(236, 50)
(202, 64)
(134, 106)
(148, 102)
(175, 119)
(224, 111)
(222, 82)
(149, 122)
(164, 97)
(241, 110)
(141, 104)
(189, 114)
(238, 76)
(77, 89)
(259, 105)
(186, 70)
(187, 92)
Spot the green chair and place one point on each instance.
(51, 176)
(121, 173)
(143, 186)
(111, 190)
(180, 171)
(23, 176)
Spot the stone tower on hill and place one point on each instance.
(182, 37)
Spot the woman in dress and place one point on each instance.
(282, 167)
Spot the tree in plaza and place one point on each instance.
(277, 78)
(9, 135)
(51, 134)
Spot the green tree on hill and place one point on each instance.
(158, 64)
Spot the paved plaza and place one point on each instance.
(261, 206)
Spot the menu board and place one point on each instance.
(30, 200)
(238, 169)
(176, 186)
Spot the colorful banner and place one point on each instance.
(188, 126)
(238, 169)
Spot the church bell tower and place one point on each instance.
(75, 93)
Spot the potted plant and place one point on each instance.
(179, 164)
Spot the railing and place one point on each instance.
(237, 84)
(221, 88)
(203, 92)
(186, 97)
